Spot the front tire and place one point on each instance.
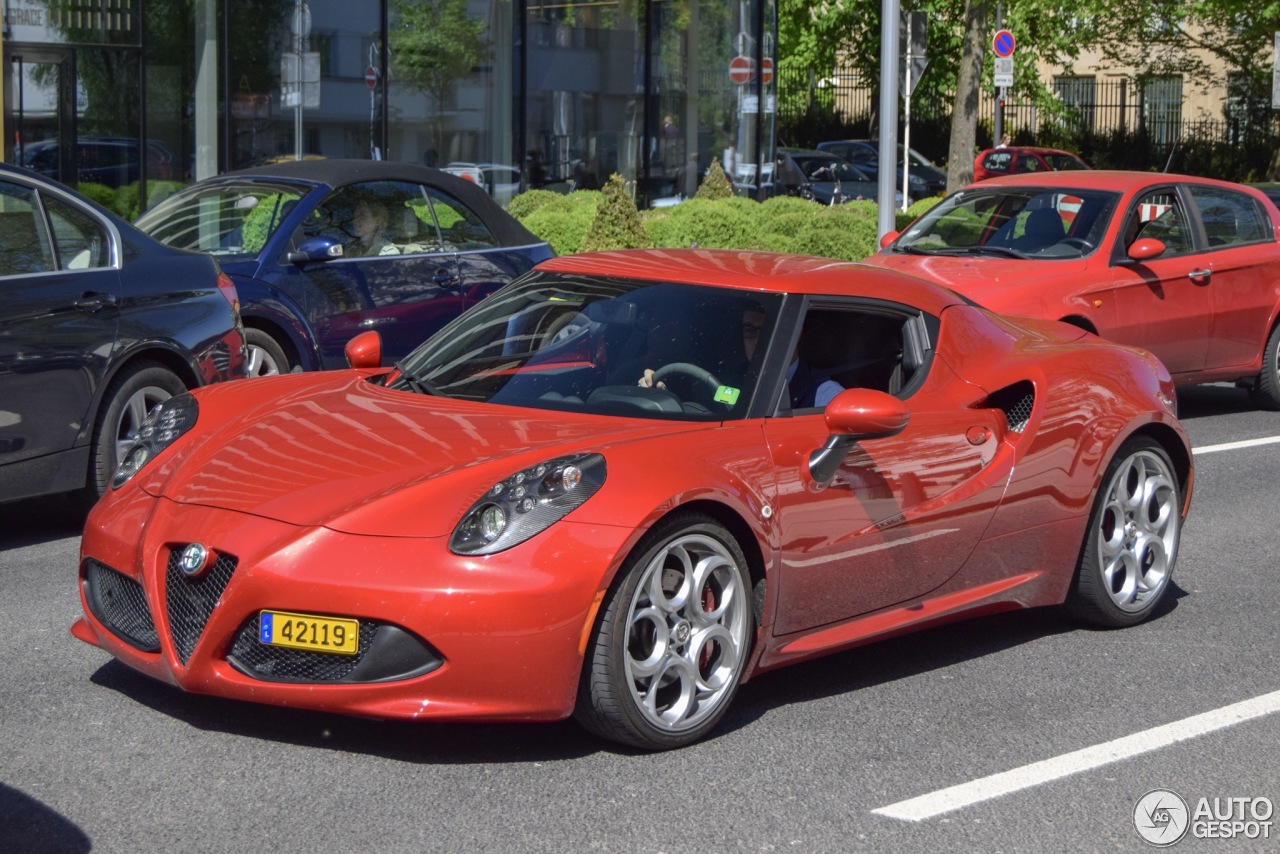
(1132, 541)
(671, 646)
(265, 356)
(1266, 390)
(131, 395)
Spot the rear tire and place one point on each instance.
(264, 355)
(675, 636)
(1266, 391)
(132, 394)
(1132, 542)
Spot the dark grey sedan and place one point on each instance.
(98, 324)
(322, 250)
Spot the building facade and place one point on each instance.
(546, 93)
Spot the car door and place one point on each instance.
(902, 513)
(58, 321)
(1243, 259)
(397, 274)
(1161, 303)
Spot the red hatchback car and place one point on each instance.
(616, 489)
(1022, 159)
(1188, 268)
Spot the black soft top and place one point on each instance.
(336, 173)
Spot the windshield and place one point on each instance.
(578, 343)
(225, 218)
(828, 169)
(1020, 222)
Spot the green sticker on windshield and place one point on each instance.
(727, 394)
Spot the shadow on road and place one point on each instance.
(29, 826)
(1203, 401)
(460, 744)
(39, 520)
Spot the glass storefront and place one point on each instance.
(529, 93)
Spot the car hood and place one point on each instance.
(333, 449)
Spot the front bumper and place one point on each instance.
(442, 636)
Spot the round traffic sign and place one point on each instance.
(766, 70)
(742, 69)
(1003, 44)
(371, 77)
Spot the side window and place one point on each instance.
(460, 228)
(1030, 163)
(24, 244)
(81, 242)
(998, 161)
(1160, 215)
(376, 219)
(844, 348)
(1230, 218)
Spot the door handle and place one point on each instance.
(1200, 277)
(92, 302)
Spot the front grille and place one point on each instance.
(386, 653)
(190, 601)
(119, 604)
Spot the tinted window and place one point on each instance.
(231, 218)
(24, 245)
(1159, 215)
(459, 227)
(1065, 162)
(1230, 218)
(1030, 163)
(81, 242)
(998, 161)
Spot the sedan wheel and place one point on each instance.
(1266, 389)
(130, 397)
(674, 639)
(1132, 542)
(264, 356)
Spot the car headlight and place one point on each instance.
(917, 181)
(527, 502)
(165, 423)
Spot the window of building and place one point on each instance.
(1162, 108)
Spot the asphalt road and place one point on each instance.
(95, 757)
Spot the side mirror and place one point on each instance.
(853, 415)
(1145, 249)
(365, 350)
(889, 237)
(315, 249)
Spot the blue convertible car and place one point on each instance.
(322, 250)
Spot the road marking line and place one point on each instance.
(1008, 782)
(1233, 446)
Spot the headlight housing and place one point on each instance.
(526, 503)
(160, 429)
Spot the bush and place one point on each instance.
(563, 220)
(126, 201)
(100, 193)
(730, 223)
(846, 232)
(716, 185)
(529, 201)
(616, 224)
(913, 212)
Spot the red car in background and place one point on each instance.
(1021, 159)
(1188, 268)
(610, 490)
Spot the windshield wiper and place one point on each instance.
(1002, 251)
(421, 386)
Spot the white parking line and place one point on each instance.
(1233, 446)
(1008, 782)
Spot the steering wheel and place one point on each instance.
(1078, 242)
(689, 370)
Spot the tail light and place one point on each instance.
(227, 288)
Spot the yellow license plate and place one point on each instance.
(305, 631)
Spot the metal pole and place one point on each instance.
(997, 124)
(890, 12)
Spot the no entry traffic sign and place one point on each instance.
(742, 69)
(1003, 44)
(371, 77)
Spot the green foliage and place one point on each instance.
(617, 223)
(716, 185)
(529, 201)
(846, 232)
(564, 220)
(100, 193)
(127, 202)
(730, 223)
(913, 212)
